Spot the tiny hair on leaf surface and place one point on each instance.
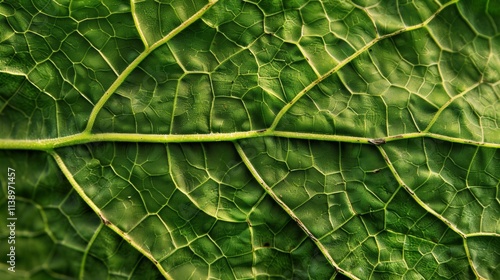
(222, 139)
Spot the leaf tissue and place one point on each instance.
(254, 139)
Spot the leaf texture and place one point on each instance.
(222, 139)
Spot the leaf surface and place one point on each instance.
(252, 139)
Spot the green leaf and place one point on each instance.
(220, 139)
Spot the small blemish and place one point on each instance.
(105, 221)
(377, 141)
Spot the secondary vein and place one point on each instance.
(148, 49)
